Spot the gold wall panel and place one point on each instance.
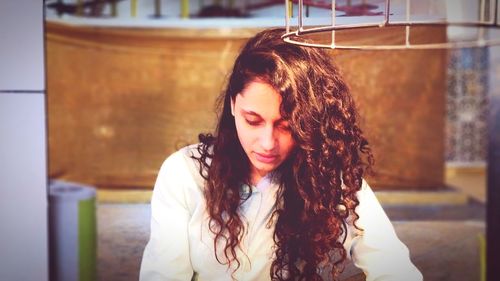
(121, 99)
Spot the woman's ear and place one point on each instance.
(232, 106)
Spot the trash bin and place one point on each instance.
(72, 232)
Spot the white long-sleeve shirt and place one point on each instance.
(181, 243)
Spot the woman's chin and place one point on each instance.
(264, 168)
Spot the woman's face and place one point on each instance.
(263, 134)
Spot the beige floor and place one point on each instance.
(448, 250)
(444, 237)
(470, 181)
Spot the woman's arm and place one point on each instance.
(377, 250)
(166, 256)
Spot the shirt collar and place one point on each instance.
(265, 183)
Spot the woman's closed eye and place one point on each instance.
(284, 126)
(253, 122)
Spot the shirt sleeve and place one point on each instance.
(377, 250)
(166, 255)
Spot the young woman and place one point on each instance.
(277, 192)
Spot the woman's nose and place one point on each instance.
(268, 138)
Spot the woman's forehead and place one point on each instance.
(260, 98)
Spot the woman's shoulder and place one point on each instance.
(184, 162)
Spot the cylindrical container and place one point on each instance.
(72, 232)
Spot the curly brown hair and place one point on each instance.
(319, 179)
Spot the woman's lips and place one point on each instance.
(266, 158)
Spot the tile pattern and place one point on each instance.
(466, 127)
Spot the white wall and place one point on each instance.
(21, 47)
(23, 164)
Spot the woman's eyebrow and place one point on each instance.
(250, 112)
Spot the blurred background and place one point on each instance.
(100, 92)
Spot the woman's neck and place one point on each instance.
(256, 176)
